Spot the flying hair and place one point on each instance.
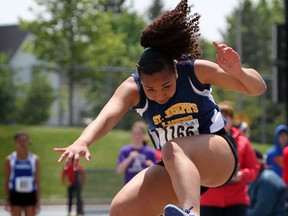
(174, 33)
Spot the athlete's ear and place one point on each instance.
(176, 72)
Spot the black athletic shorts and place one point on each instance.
(233, 147)
(23, 199)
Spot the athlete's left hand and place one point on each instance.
(228, 59)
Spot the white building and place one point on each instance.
(12, 40)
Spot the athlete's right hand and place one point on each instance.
(73, 153)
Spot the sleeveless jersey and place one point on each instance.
(190, 111)
(22, 178)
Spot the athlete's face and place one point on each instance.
(283, 138)
(22, 142)
(137, 135)
(161, 86)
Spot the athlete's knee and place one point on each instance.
(170, 151)
(117, 208)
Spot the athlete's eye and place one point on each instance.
(151, 90)
(166, 87)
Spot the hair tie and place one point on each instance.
(147, 48)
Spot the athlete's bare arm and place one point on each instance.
(229, 74)
(126, 96)
(6, 183)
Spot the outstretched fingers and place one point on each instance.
(72, 154)
(87, 156)
(64, 155)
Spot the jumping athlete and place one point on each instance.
(171, 90)
(22, 181)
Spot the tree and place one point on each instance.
(7, 91)
(156, 8)
(257, 21)
(36, 102)
(208, 50)
(115, 6)
(69, 33)
(103, 83)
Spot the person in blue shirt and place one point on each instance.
(22, 179)
(171, 90)
(267, 193)
(275, 153)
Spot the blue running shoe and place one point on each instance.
(172, 210)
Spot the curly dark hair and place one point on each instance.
(175, 32)
(171, 36)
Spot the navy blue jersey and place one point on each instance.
(190, 111)
(22, 177)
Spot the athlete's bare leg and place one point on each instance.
(16, 210)
(208, 160)
(30, 211)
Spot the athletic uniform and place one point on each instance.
(191, 110)
(22, 184)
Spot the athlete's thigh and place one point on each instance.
(146, 194)
(30, 211)
(211, 154)
(16, 210)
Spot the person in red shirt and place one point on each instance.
(232, 199)
(74, 180)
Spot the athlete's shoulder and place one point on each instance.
(33, 156)
(7, 158)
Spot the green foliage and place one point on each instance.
(129, 24)
(7, 91)
(104, 83)
(156, 8)
(257, 21)
(34, 107)
(208, 50)
(104, 155)
(44, 139)
(258, 18)
(77, 35)
(72, 33)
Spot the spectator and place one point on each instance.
(232, 199)
(136, 156)
(283, 138)
(275, 153)
(267, 193)
(22, 179)
(74, 180)
(245, 129)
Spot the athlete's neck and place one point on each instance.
(22, 154)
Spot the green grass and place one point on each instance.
(44, 139)
(102, 182)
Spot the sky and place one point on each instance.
(213, 13)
